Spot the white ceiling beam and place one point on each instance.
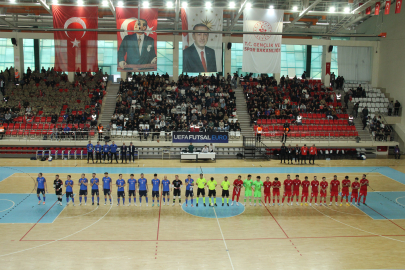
(111, 6)
(45, 6)
(304, 12)
(176, 10)
(363, 7)
(236, 18)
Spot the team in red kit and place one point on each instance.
(292, 187)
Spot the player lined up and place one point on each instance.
(291, 190)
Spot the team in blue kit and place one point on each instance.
(109, 152)
(120, 183)
(83, 182)
(41, 187)
(94, 188)
(155, 189)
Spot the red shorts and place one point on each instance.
(314, 194)
(363, 192)
(287, 194)
(296, 193)
(323, 194)
(355, 194)
(266, 194)
(304, 194)
(345, 193)
(236, 191)
(334, 193)
(276, 192)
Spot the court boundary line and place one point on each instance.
(274, 219)
(75, 216)
(157, 234)
(386, 218)
(38, 221)
(201, 240)
(223, 238)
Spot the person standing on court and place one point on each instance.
(57, 185)
(304, 153)
(106, 151)
(83, 189)
(143, 189)
(94, 188)
(90, 149)
(120, 183)
(69, 190)
(201, 183)
(282, 153)
(107, 186)
(289, 151)
(212, 193)
(189, 189)
(225, 190)
(98, 149)
(312, 154)
(165, 190)
(131, 150)
(124, 149)
(41, 187)
(131, 189)
(155, 189)
(177, 184)
(113, 149)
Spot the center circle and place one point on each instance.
(208, 211)
(6, 204)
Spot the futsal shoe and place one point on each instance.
(118, 204)
(330, 203)
(245, 204)
(173, 204)
(317, 204)
(147, 204)
(265, 204)
(205, 205)
(129, 204)
(336, 203)
(44, 203)
(298, 203)
(39, 202)
(98, 204)
(347, 204)
(306, 204)
(310, 204)
(227, 204)
(365, 204)
(164, 203)
(158, 204)
(278, 204)
(105, 203)
(260, 204)
(357, 204)
(110, 203)
(85, 203)
(192, 205)
(341, 204)
(92, 203)
(186, 205)
(282, 204)
(80, 204)
(140, 204)
(232, 203)
(215, 204)
(301, 204)
(196, 205)
(237, 204)
(153, 204)
(135, 204)
(292, 203)
(74, 204)
(222, 204)
(250, 204)
(325, 204)
(254, 204)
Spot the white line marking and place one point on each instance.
(9, 207)
(223, 238)
(79, 215)
(16, 252)
(349, 213)
(399, 202)
(357, 228)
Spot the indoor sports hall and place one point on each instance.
(168, 134)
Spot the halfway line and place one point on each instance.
(223, 238)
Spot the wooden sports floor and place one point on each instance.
(171, 237)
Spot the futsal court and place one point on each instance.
(180, 237)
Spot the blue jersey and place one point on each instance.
(113, 148)
(106, 182)
(166, 185)
(106, 148)
(142, 183)
(82, 182)
(188, 183)
(98, 148)
(68, 188)
(131, 184)
(93, 182)
(90, 147)
(155, 184)
(41, 182)
(120, 183)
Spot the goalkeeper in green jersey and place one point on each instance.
(248, 188)
(257, 185)
(225, 190)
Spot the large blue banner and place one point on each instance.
(200, 137)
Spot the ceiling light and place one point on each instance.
(12, 1)
(184, 4)
(208, 4)
(295, 8)
(105, 3)
(80, 2)
(232, 4)
(169, 4)
(145, 4)
(320, 23)
(120, 3)
(347, 9)
(332, 9)
(248, 5)
(54, 2)
(271, 6)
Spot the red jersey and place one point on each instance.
(363, 181)
(313, 151)
(305, 186)
(314, 186)
(238, 185)
(324, 184)
(276, 184)
(288, 184)
(304, 151)
(355, 185)
(267, 186)
(335, 185)
(345, 185)
(296, 184)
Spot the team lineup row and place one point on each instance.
(291, 189)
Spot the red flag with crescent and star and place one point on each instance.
(377, 8)
(398, 5)
(387, 7)
(75, 51)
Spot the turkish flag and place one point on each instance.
(368, 11)
(75, 50)
(377, 8)
(126, 18)
(327, 68)
(398, 5)
(387, 7)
